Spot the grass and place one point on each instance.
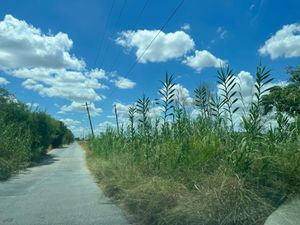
(180, 170)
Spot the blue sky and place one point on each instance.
(48, 49)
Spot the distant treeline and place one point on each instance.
(26, 134)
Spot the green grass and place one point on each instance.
(199, 171)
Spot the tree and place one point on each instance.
(285, 99)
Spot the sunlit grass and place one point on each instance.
(200, 171)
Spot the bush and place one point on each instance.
(25, 136)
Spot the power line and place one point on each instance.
(116, 24)
(134, 27)
(104, 34)
(151, 42)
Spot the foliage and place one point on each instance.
(285, 99)
(201, 172)
(227, 84)
(167, 97)
(253, 124)
(26, 135)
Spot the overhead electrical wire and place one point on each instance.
(113, 31)
(151, 42)
(104, 33)
(134, 27)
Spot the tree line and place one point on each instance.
(26, 134)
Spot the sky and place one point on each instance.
(56, 55)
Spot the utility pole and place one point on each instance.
(117, 120)
(88, 112)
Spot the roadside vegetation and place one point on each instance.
(222, 167)
(26, 134)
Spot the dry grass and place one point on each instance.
(218, 198)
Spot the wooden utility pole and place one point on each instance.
(91, 125)
(117, 120)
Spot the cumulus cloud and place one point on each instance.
(101, 127)
(70, 122)
(46, 65)
(182, 96)
(70, 85)
(246, 87)
(124, 83)
(203, 59)
(165, 47)
(80, 106)
(186, 27)
(3, 81)
(22, 45)
(284, 43)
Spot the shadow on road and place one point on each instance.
(46, 160)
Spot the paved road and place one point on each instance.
(287, 214)
(61, 191)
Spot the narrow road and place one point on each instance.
(287, 214)
(59, 191)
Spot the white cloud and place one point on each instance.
(98, 74)
(182, 96)
(46, 64)
(80, 106)
(222, 32)
(32, 105)
(80, 131)
(285, 43)
(22, 45)
(124, 83)
(103, 126)
(165, 47)
(186, 27)
(70, 85)
(245, 86)
(203, 59)
(122, 110)
(3, 81)
(70, 122)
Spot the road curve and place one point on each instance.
(59, 191)
(287, 214)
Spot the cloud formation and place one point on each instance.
(123, 83)
(80, 106)
(284, 43)
(165, 47)
(45, 63)
(3, 81)
(203, 59)
(222, 32)
(22, 45)
(71, 85)
(186, 27)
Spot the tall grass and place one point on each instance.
(201, 170)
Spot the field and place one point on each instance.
(181, 169)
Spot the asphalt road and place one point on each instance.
(60, 191)
(287, 214)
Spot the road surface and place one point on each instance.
(59, 191)
(287, 214)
